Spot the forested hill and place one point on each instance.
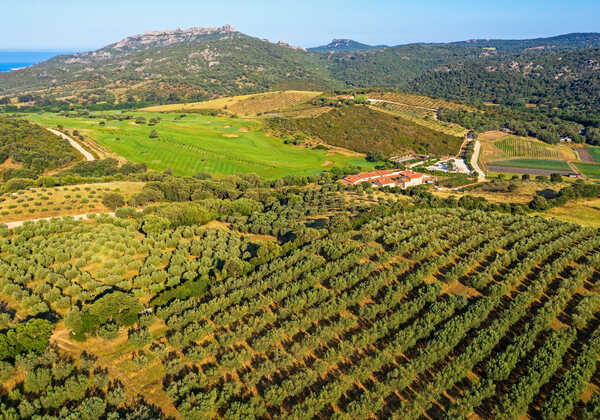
(203, 63)
(194, 64)
(567, 80)
(345, 45)
(395, 67)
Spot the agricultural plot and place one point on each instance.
(247, 105)
(542, 165)
(446, 313)
(58, 201)
(418, 101)
(198, 143)
(595, 152)
(520, 147)
(590, 170)
(424, 118)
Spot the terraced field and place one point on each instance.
(196, 143)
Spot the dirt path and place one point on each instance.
(12, 225)
(475, 163)
(87, 155)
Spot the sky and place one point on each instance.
(76, 25)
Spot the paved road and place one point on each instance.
(87, 155)
(475, 164)
(12, 225)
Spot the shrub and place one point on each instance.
(113, 200)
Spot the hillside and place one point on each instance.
(565, 80)
(206, 63)
(27, 150)
(345, 45)
(366, 130)
(396, 66)
(195, 64)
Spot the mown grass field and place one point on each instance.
(590, 170)
(247, 105)
(543, 164)
(196, 143)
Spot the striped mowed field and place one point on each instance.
(196, 143)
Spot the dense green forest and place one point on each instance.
(569, 80)
(299, 301)
(365, 130)
(33, 147)
(522, 121)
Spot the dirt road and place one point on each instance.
(87, 155)
(475, 164)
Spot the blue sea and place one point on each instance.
(11, 60)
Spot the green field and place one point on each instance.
(543, 164)
(515, 146)
(198, 143)
(595, 152)
(591, 170)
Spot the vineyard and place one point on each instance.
(519, 147)
(423, 117)
(305, 304)
(418, 101)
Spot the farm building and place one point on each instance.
(388, 178)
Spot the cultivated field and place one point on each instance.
(441, 313)
(418, 101)
(542, 164)
(39, 203)
(590, 170)
(595, 152)
(196, 143)
(520, 147)
(246, 105)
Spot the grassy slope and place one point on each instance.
(244, 104)
(197, 143)
(364, 129)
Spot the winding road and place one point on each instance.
(87, 155)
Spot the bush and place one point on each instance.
(113, 200)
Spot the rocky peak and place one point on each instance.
(168, 37)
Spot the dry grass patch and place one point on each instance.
(244, 104)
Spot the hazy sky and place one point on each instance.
(87, 24)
